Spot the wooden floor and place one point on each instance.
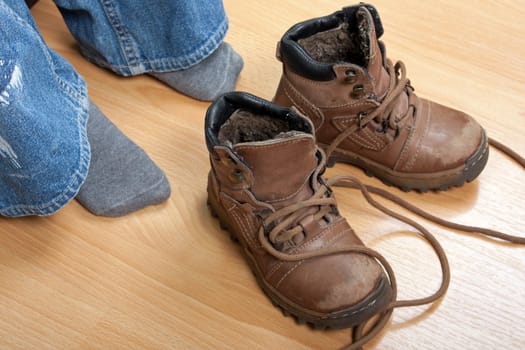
(168, 278)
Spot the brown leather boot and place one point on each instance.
(364, 110)
(266, 188)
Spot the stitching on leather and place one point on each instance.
(336, 237)
(270, 146)
(246, 226)
(294, 101)
(404, 151)
(347, 105)
(244, 229)
(290, 89)
(236, 216)
(274, 269)
(364, 141)
(368, 140)
(294, 90)
(372, 137)
(344, 121)
(410, 164)
(360, 140)
(296, 105)
(288, 273)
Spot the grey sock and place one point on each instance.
(208, 79)
(121, 178)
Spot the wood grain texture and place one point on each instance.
(167, 277)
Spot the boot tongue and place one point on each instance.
(366, 39)
(370, 46)
(281, 166)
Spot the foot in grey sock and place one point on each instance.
(121, 178)
(208, 79)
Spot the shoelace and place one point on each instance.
(398, 84)
(349, 181)
(323, 199)
(508, 151)
(292, 213)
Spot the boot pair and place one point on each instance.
(339, 99)
(266, 188)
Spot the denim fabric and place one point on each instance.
(44, 152)
(133, 37)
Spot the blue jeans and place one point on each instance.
(44, 150)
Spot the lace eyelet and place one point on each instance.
(351, 76)
(358, 91)
(236, 176)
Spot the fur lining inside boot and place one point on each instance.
(245, 126)
(349, 42)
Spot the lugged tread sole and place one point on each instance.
(471, 170)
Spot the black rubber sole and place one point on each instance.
(421, 182)
(374, 304)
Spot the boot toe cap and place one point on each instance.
(450, 139)
(337, 291)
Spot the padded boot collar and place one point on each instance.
(298, 60)
(224, 106)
